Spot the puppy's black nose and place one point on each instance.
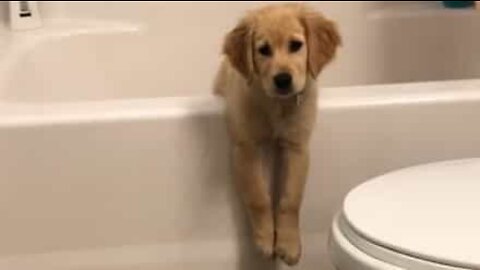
(283, 82)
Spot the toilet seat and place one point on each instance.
(350, 251)
(421, 217)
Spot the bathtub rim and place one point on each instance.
(398, 94)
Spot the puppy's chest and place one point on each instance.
(282, 119)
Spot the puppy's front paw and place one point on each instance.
(264, 242)
(288, 246)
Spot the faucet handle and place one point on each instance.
(24, 15)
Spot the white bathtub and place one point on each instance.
(117, 179)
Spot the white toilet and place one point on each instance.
(425, 217)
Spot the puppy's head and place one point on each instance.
(281, 47)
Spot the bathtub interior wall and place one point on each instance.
(173, 49)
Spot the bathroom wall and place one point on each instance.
(383, 41)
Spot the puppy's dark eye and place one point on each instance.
(295, 46)
(265, 50)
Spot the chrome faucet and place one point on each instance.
(24, 15)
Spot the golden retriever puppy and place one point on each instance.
(273, 57)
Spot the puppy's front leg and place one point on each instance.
(254, 191)
(294, 162)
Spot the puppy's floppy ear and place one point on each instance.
(322, 40)
(238, 48)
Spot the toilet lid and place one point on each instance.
(431, 212)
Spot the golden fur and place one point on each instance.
(257, 115)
